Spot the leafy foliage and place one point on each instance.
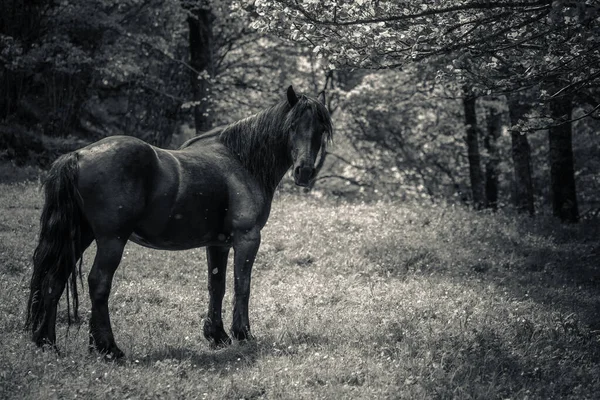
(496, 46)
(409, 131)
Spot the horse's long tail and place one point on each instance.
(59, 246)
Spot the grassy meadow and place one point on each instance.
(357, 301)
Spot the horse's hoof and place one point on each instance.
(41, 341)
(45, 343)
(109, 352)
(110, 355)
(114, 355)
(40, 338)
(50, 347)
(221, 342)
(216, 335)
(242, 334)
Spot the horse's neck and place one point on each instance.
(268, 163)
(263, 151)
(277, 175)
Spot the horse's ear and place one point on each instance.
(322, 98)
(291, 96)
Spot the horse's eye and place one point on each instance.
(316, 139)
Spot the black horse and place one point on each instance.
(215, 191)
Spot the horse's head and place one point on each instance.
(310, 131)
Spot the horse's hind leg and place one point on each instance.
(52, 290)
(108, 257)
(46, 331)
(217, 271)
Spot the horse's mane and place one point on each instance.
(260, 140)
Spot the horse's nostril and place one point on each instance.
(297, 172)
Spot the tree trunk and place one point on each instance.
(200, 23)
(494, 126)
(521, 155)
(562, 171)
(473, 152)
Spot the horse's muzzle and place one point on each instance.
(303, 175)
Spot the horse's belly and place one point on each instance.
(184, 229)
(165, 242)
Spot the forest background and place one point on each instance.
(436, 104)
(490, 104)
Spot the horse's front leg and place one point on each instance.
(245, 245)
(217, 272)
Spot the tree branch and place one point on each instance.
(344, 178)
(425, 13)
(580, 82)
(345, 161)
(568, 121)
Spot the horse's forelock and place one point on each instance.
(318, 109)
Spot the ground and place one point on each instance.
(378, 300)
